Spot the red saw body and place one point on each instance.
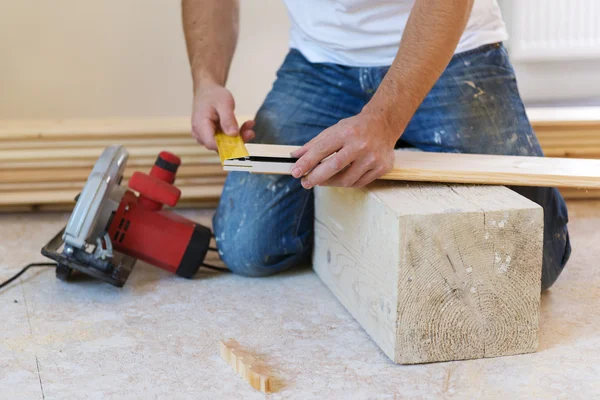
(141, 228)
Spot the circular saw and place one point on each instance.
(112, 226)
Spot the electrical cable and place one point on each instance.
(25, 268)
(209, 266)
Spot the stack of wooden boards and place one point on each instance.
(569, 132)
(45, 163)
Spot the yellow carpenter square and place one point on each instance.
(230, 146)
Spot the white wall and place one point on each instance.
(73, 58)
(543, 82)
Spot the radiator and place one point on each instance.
(545, 30)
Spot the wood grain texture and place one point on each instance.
(434, 272)
(95, 152)
(45, 163)
(475, 168)
(208, 203)
(254, 371)
(81, 174)
(32, 186)
(139, 162)
(563, 116)
(87, 128)
(67, 196)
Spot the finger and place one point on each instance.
(247, 132)
(301, 151)
(304, 149)
(367, 178)
(207, 134)
(328, 168)
(199, 122)
(322, 148)
(228, 121)
(248, 135)
(201, 128)
(247, 126)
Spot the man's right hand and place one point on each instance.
(213, 112)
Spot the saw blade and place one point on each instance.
(230, 147)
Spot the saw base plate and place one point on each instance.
(116, 271)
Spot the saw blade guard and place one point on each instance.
(99, 198)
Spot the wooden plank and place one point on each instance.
(561, 116)
(38, 186)
(580, 194)
(561, 142)
(433, 272)
(89, 163)
(37, 197)
(572, 152)
(209, 203)
(252, 370)
(94, 152)
(81, 174)
(465, 168)
(567, 133)
(98, 142)
(60, 129)
(105, 127)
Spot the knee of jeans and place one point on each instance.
(247, 252)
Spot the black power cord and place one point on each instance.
(25, 268)
(215, 268)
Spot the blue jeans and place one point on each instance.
(264, 223)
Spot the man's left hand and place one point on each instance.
(363, 147)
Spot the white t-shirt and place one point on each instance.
(365, 33)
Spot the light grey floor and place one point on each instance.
(157, 337)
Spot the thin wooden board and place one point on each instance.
(580, 194)
(98, 142)
(557, 116)
(81, 174)
(68, 207)
(466, 168)
(36, 186)
(572, 152)
(89, 162)
(94, 152)
(58, 129)
(38, 197)
(113, 127)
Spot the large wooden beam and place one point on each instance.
(434, 272)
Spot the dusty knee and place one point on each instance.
(246, 252)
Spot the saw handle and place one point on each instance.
(154, 189)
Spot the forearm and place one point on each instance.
(211, 30)
(429, 41)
